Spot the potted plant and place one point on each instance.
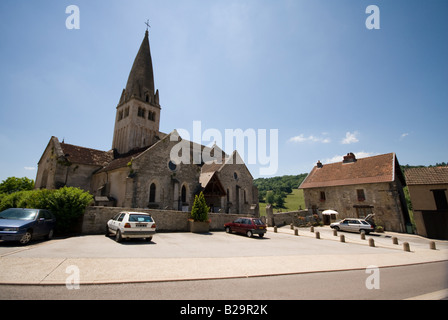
(199, 222)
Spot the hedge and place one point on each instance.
(67, 204)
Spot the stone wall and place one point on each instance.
(95, 219)
(297, 218)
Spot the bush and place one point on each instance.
(67, 204)
(200, 210)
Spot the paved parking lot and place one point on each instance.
(217, 244)
(179, 256)
(190, 245)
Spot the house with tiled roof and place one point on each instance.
(141, 170)
(428, 192)
(356, 188)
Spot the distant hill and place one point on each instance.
(279, 191)
(283, 183)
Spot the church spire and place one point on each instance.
(141, 78)
(138, 112)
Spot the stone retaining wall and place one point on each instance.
(95, 219)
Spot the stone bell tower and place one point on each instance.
(138, 112)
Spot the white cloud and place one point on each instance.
(30, 168)
(301, 138)
(404, 135)
(350, 138)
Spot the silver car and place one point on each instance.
(127, 225)
(353, 225)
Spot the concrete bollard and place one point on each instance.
(432, 245)
(371, 242)
(335, 232)
(296, 232)
(406, 247)
(342, 238)
(292, 226)
(275, 228)
(394, 240)
(363, 235)
(312, 229)
(317, 235)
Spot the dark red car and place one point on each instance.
(247, 226)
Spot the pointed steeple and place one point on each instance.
(138, 112)
(141, 78)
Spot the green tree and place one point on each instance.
(270, 197)
(200, 210)
(279, 200)
(13, 184)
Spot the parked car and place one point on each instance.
(127, 225)
(23, 225)
(247, 226)
(353, 225)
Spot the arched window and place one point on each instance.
(152, 193)
(184, 194)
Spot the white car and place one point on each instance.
(127, 225)
(353, 225)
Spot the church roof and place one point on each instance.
(141, 77)
(376, 169)
(81, 155)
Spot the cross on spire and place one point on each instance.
(147, 25)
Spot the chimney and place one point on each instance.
(349, 158)
(319, 164)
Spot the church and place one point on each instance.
(140, 170)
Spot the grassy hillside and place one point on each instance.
(293, 202)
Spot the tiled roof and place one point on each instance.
(431, 175)
(374, 169)
(81, 155)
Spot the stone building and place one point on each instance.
(140, 171)
(358, 187)
(428, 191)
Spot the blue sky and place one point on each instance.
(310, 69)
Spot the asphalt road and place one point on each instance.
(394, 283)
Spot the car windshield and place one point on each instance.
(139, 218)
(258, 222)
(18, 214)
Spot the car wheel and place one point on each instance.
(149, 239)
(261, 235)
(50, 235)
(249, 233)
(118, 236)
(26, 238)
(228, 229)
(107, 231)
(336, 228)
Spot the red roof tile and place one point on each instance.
(81, 155)
(431, 175)
(374, 169)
